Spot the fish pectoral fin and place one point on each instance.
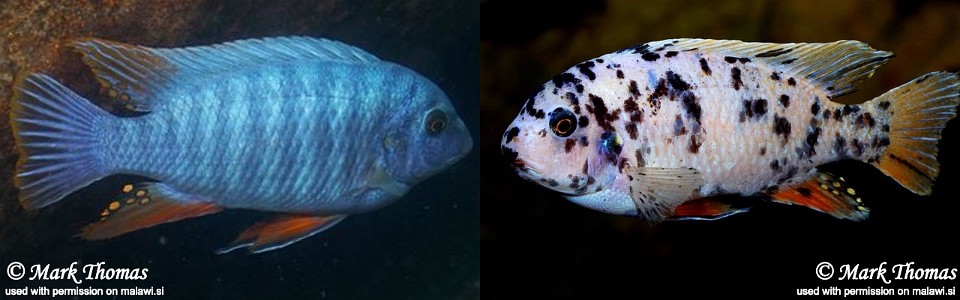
(145, 205)
(705, 209)
(826, 193)
(281, 231)
(658, 191)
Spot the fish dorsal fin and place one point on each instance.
(824, 192)
(658, 191)
(838, 67)
(135, 75)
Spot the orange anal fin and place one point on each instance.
(280, 232)
(141, 206)
(705, 209)
(826, 193)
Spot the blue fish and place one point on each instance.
(311, 129)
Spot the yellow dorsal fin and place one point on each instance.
(838, 67)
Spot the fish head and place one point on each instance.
(428, 138)
(552, 143)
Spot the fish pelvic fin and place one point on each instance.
(56, 133)
(705, 209)
(826, 193)
(918, 111)
(145, 205)
(280, 232)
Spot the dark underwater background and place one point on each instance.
(422, 247)
(538, 245)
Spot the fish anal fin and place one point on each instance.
(281, 231)
(144, 205)
(705, 209)
(837, 68)
(826, 193)
(657, 191)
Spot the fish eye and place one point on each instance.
(563, 122)
(436, 122)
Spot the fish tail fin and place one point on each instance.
(918, 111)
(56, 137)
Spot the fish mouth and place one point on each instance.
(527, 168)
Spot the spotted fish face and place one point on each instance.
(551, 143)
(429, 135)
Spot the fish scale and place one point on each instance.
(653, 127)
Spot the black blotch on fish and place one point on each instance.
(630, 105)
(540, 114)
(678, 128)
(921, 79)
(695, 142)
(512, 133)
(826, 114)
(730, 59)
(815, 108)
(620, 74)
(789, 61)
(580, 88)
(509, 154)
(568, 145)
(585, 164)
(622, 164)
(639, 49)
(763, 151)
(564, 78)
(600, 113)
(743, 60)
(693, 108)
(775, 76)
(583, 141)
(837, 115)
(650, 56)
(528, 106)
(704, 66)
(775, 52)
(599, 60)
(849, 109)
(583, 122)
(804, 191)
(585, 69)
(781, 126)
(884, 105)
(865, 120)
(670, 54)
(735, 75)
(639, 155)
(634, 90)
(676, 82)
(659, 91)
(575, 102)
(791, 81)
(785, 101)
(553, 183)
(775, 165)
(753, 109)
(813, 138)
(886, 128)
(631, 130)
(857, 147)
(840, 145)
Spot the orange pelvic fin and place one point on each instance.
(705, 209)
(145, 205)
(280, 232)
(826, 193)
